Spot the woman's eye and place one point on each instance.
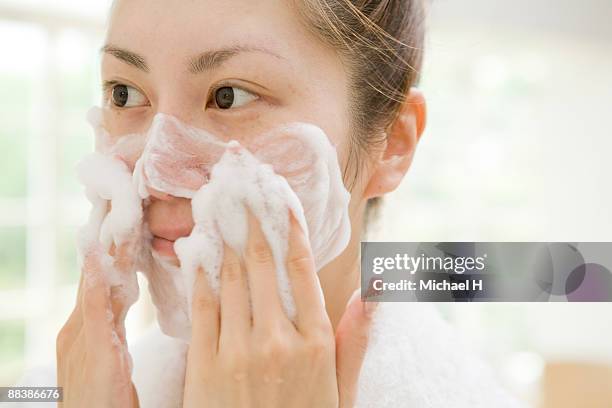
(229, 97)
(125, 96)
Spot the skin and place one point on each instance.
(237, 357)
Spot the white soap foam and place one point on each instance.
(239, 183)
(178, 159)
(115, 218)
(127, 148)
(109, 180)
(292, 168)
(168, 292)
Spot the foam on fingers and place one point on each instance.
(115, 219)
(220, 214)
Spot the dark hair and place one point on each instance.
(381, 41)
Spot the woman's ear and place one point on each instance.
(403, 135)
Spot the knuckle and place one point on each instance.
(300, 264)
(319, 347)
(275, 349)
(321, 331)
(232, 271)
(204, 303)
(259, 251)
(62, 340)
(68, 333)
(235, 363)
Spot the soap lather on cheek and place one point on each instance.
(291, 168)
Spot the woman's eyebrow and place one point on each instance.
(208, 60)
(202, 62)
(126, 56)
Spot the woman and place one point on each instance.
(348, 67)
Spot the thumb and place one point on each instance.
(352, 337)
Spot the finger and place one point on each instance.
(234, 299)
(71, 329)
(304, 281)
(123, 296)
(205, 317)
(76, 317)
(119, 304)
(261, 272)
(352, 337)
(88, 246)
(75, 320)
(124, 256)
(97, 314)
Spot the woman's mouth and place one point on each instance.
(163, 246)
(164, 238)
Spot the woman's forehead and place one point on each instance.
(185, 28)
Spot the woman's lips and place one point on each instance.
(169, 218)
(163, 246)
(163, 239)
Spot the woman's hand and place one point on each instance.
(93, 363)
(254, 356)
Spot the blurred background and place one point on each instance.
(517, 149)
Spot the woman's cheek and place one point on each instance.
(241, 126)
(121, 122)
(126, 134)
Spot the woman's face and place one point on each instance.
(236, 68)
